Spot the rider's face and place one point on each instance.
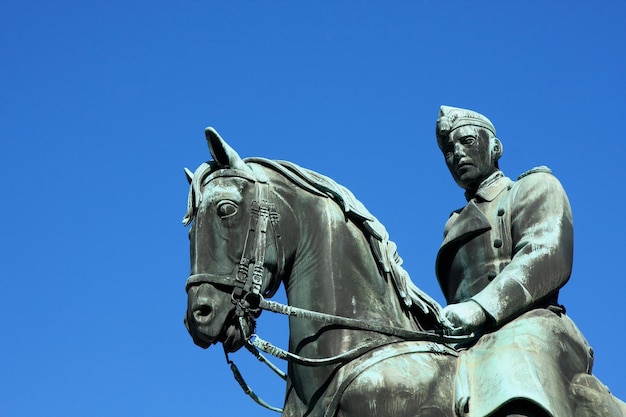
(470, 155)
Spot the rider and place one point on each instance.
(504, 257)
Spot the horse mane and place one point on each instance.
(425, 310)
(322, 185)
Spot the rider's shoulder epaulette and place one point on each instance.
(541, 168)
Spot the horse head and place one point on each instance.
(229, 261)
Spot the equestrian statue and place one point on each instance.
(363, 339)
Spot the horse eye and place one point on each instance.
(226, 209)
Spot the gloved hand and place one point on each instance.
(465, 317)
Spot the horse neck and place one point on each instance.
(335, 272)
(329, 268)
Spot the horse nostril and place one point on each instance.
(202, 313)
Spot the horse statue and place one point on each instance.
(363, 340)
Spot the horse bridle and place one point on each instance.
(247, 278)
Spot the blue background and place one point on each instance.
(102, 104)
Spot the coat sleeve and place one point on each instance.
(542, 249)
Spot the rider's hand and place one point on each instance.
(465, 317)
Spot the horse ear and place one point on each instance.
(189, 175)
(222, 153)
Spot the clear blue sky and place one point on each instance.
(102, 104)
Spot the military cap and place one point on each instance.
(451, 118)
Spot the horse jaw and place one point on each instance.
(232, 338)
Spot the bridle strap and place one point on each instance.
(263, 216)
(274, 218)
(197, 279)
(246, 388)
(344, 357)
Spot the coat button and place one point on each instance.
(491, 275)
(497, 243)
(500, 212)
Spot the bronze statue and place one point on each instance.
(363, 340)
(504, 257)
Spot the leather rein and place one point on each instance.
(248, 294)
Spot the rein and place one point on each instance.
(438, 336)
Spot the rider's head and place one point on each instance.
(469, 145)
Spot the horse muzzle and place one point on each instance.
(205, 316)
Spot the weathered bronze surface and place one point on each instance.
(257, 223)
(504, 257)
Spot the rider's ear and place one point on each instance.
(496, 148)
(222, 153)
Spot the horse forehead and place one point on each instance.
(226, 187)
(228, 173)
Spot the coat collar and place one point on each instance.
(469, 222)
(490, 188)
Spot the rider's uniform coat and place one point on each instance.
(510, 249)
